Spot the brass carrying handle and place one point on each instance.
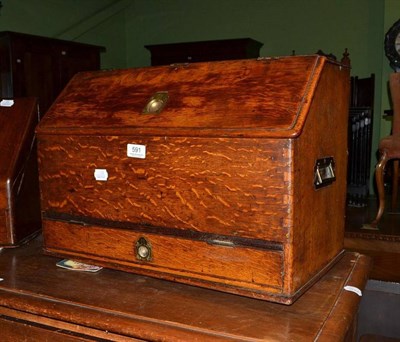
(324, 172)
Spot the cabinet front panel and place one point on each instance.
(235, 187)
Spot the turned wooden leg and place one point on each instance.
(395, 185)
(379, 170)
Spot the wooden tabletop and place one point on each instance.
(113, 305)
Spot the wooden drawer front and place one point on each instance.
(172, 257)
(239, 187)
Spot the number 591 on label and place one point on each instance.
(136, 151)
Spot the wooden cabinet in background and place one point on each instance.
(204, 51)
(40, 66)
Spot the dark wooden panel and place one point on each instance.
(41, 66)
(19, 183)
(204, 51)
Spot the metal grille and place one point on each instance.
(359, 145)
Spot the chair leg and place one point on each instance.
(395, 187)
(379, 171)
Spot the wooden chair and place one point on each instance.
(389, 148)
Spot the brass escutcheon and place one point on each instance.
(156, 103)
(143, 249)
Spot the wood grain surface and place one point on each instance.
(38, 299)
(269, 97)
(237, 166)
(208, 185)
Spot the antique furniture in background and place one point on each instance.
(229, 175)
(19, 184)
(47, 303)
(40, 66)
(389, 148)
(204, 51)
(360, 140)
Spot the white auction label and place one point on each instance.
(6, 103)
(101, 174)
(136, 151)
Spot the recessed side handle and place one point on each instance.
(324, 172)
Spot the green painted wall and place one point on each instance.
(98, 22)
(46, 17)
(283, 26)
(125, 26)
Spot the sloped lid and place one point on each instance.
(265, 97)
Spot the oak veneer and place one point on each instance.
(225, 195)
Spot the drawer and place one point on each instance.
(169, 257)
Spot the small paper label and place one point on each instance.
(6, 103)
(136, 151)
(101, 174)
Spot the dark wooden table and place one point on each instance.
(42, 302)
